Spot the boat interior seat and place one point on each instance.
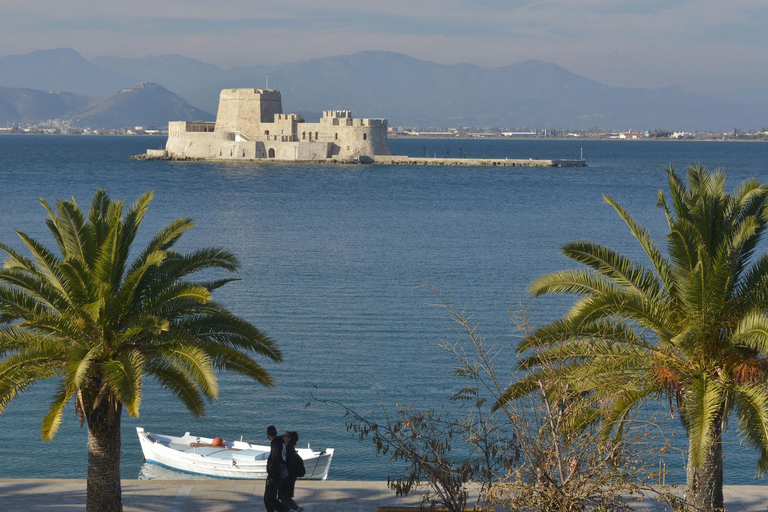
(248, 455)
(210, 451)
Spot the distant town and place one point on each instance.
(61, 127)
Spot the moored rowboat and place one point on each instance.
(235, 459)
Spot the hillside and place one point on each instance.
(174, 72)
(61, 70)
(28, 105)
(144, 104)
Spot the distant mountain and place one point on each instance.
(28, 105)
(405, 90)
(753, 96)
(144, 104)
(174, 72)
(532, 94)
(61, 70)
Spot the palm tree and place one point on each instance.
(691, 328)
(102, 324)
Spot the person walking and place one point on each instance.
(295, 470)
(275, 460)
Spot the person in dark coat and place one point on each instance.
(287, 486)
(274, 461)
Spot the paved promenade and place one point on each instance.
(49, 495)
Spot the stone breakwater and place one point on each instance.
(398, 160)
(479, 162)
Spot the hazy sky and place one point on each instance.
(703, 45)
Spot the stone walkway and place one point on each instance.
(49, 495)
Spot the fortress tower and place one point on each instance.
(251, 125)
(244, 110)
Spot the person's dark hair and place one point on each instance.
(272, 431)
(294, 437)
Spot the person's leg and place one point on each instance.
(267, 501)
(285, 496)
(270, 497)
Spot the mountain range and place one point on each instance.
(144, 104)
(405, 90)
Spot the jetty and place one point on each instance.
(388, 160)
(478, 162)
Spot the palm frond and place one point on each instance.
(52, 420)
(123, 375)
(660, 264)
(197, 363)
(702, 408)
(752, 331)
(576, 281)
(622, 272)
(179, 385)
(752, 406)
(46, 262)
(70, 223)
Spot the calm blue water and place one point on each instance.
(331, 257)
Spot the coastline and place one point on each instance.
(426, 137)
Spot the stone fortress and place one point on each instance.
(250, 125)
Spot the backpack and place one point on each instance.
(298, 466)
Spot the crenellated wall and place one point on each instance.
(250, 124)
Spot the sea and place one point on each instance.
(338, 266)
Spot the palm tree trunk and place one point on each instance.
(103, 491)
(704, 490)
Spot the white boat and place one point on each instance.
(235, 459)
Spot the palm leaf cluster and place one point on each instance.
(101, 323)
(690, 328)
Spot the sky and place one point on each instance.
(702, 45)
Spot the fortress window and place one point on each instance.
(243, 153)
(365, 136)
(316, 136)
(336, 136)
(310, 135)
(266, 132)
(303, 135)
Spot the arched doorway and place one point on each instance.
(271, 152)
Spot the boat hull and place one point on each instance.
(237, 459)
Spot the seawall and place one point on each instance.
(391, 160)
(478, 162)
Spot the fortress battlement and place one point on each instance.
(337, 114)
(247, 93)
(250, 124)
